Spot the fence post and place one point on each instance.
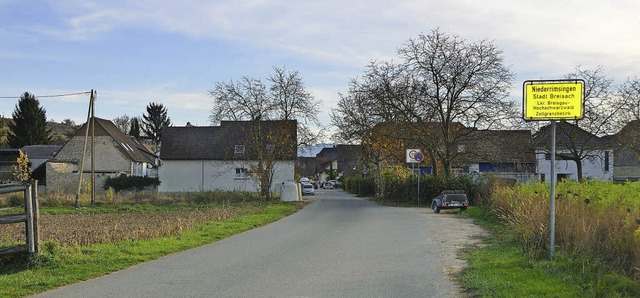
(36, 215)
(28, 207)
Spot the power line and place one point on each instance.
(48, 96)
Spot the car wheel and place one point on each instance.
(435, 207)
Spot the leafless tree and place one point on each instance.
(292, 101)
(285, 98)
(461, 82)
(441, 83)
(246, 99)
(123, 123)
(629, 98)
(363, 108)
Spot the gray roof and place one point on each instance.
(568, 136)
(500, 146)
(40, 151)
(218, 142)
(105, 127)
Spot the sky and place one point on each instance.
(173, 52)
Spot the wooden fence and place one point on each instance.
(29, 217)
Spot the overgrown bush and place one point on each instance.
(136, 183)
(400, 186)
(598, 219)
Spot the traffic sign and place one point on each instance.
(553, 100)
(414, 156)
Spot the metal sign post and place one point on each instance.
(553, 100)
(552, 221)
(414, 156)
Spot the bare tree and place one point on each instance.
(356, 116)
(444, 87)
(293, 102)
(249, 99)
(461, 82)
(123, 123)
(629, 99)
(246, 99)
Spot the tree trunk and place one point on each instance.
(579, 169)
(380, 181)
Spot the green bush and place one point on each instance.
(362, 186)
(616, 285)
(405, 189)
(136, 183)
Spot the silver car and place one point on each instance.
(307, 189)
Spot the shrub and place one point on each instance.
(598, 219)
(362, 186)
(136, 183)
(402, 187)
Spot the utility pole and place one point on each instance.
(90, 122)
(93, 148)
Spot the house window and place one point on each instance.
(606, 161)
(242, 173)
(239, 150)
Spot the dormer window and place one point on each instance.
(239, 150)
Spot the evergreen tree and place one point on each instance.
(29, 125)
(153, 121)
(135, 128)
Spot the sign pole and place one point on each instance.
(552, 225)
(418, 184)
(553, 100)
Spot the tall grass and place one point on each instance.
(595, 219)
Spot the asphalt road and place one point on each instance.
(340, 246)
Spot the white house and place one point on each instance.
(196, 158)
(596, 153)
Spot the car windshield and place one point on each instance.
(307, 186)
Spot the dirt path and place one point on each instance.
(453, 242)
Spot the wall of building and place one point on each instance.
(592, 168)
(62, 172)
(198, 175)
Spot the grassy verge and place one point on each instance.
(60, 265)
(500, 269)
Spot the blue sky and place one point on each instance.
(173, 52)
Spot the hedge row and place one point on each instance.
(136, 183)
(405, 189)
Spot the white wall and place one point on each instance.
(197, 175)
(592, 168)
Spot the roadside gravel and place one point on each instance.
(455, 234)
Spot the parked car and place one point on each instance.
(304, 180)
(327, 185)
(315, 184)
(450, 199)
(307, 189)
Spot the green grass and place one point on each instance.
(58, 266)
(500, 269)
